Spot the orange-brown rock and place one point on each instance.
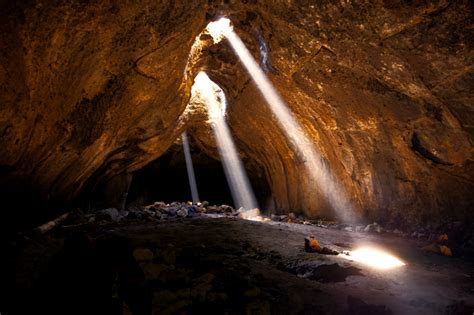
(92, 90)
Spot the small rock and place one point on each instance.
(149, 212)
(213, 209)
(359, 228)
(133, 215)
(438, 249)
(275, 217)
(291, 216)
(170, 211)
(182, 213)
(226, 208)
(200, 209)
(348, 229)
(445, 250)
(328, 251)
(159, 204)
(192, 209)
(111, 214)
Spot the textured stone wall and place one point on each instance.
(384, 88)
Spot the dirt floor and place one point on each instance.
(227, 265)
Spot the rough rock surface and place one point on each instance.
(384, 88)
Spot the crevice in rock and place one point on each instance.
(418, 147)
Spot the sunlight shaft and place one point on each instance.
(304, 147)
(190, 168)
(233, 168)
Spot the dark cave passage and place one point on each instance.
(166, 180)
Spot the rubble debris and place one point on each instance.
(110, 214)
(182, 212)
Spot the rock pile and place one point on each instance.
(162, 211)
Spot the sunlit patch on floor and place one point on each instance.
(253, 215)
(373, 257)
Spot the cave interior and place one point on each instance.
(237, 157)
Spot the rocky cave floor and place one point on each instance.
(185, 259)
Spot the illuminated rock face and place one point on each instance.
(91, 90)
(385, 91)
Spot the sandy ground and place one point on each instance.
(226, 265)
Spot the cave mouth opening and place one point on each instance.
(166, 179)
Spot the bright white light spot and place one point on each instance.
(218, 29)
(206, 89)
(375, 258)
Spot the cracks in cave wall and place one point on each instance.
(424, 152)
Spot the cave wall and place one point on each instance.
(91, 89)
(384, 88)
